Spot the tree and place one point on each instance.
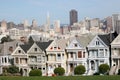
(103, 68)
(6, 39)
(30, 40)
(35, 72)
(79, 70)
(59, 71)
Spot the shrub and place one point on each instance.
(13, 69)
(118, 71)
(21, 71)
(79, 70)
(35, 72)
(103, 68)
(97, 73)
(59, 71)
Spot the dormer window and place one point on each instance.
(97, 43)
(35, 49)
(75, 45)
(19, 51)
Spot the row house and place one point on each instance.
(56, 55)
(77, 53)
(6, 50)
(98, 53)
(115, 55)
(31, 56)
(88, 50)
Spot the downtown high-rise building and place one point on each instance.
(73, 16)
(34, 23)
(116, 23)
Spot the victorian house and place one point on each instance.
(77, 53)
(98, 53)
(56, 55)
(6, 50)
(31, 56)
(115, 55)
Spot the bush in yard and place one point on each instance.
(13, 69)
(97, 73)
(103, 68)
(35, 72)
(79, 70)
(21, 71)
(59, 71)
(118, 71)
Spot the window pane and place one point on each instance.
(79, 54)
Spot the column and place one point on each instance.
(7, 59)
(89, 65)
(19, 61)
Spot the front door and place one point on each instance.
(71, 67)
(92, 65)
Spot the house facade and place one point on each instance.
(115, 55)
(56, 55)
(98, 53)
(31, 56)
(77, 53)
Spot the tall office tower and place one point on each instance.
(34, 23)
(3, 26)
(115, 18)
(25, 23)
(87, 23)
(109, 24)
(57, 26)
(73, 17)
(4, 23)
(47, 26)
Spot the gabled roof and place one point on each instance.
(84, 40)
(107, 38)
(116, 40)
(26, 47)
(43, 45)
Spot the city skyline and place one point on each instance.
(19, 10)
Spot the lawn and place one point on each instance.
(62, 78)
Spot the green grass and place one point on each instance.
(62, 78)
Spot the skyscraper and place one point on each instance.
(115, 21)
(57, 26)
(34, 23)
(73, 16)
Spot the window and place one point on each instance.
(75, 44)
(16, 60)
(35, 49)
(71, 55)
(97, 43)
(79, 54)
(83, 54)
(19, 51)
(5, 60)
(38, 58)
(101, 53)
(58, 56)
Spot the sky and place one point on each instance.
(19, 10)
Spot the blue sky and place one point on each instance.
(18, 10)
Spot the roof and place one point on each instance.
(84, 40)
(43, 45)
(107, 38)
(26, 47)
